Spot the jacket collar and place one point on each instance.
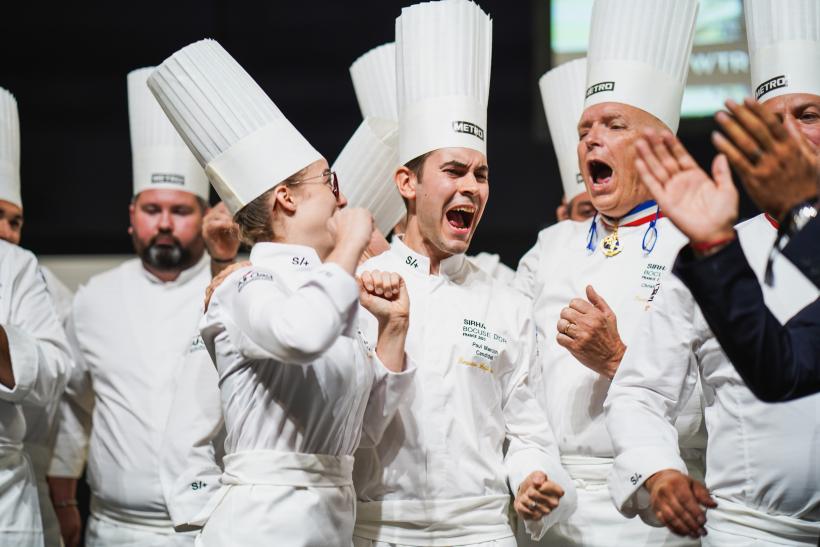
(419, 263)
(282, 256)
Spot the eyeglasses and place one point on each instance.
(328, 177)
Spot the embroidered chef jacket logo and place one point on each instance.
(468, 128)
(770, 85)
(410, 261)
(600, 88)
(635, 478)
(651, 279)
(197, 344)
(250, 276)
(300, 262)
(579, 178)
(167, 178)
(484, 344)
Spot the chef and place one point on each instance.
(193, 444)
(592, 282)
(300, 386)
(439, 475)
(40, 420)
(130, 328)
(762, 464)
(562, 94)
(34, 361)
(374, 81)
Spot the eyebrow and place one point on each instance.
(460, 165)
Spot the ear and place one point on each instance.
(284, 197)
(406, 182)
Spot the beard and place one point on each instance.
(165, 256)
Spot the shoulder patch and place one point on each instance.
(253, 275)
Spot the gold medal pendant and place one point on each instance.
(611, 245)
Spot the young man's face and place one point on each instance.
(803, 109)
(11, 222)
(450, 195)
(606, 154)
(580, 207)
(166, 227)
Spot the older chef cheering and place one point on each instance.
(593, 281)
(300, 386)
(762, 464)
(440, 474)
(130, 329)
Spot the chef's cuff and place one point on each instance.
(24, 359)
(339, 285)
(629, 473)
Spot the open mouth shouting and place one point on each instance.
(601, 174)
(460, 218)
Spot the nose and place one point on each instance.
(166, 221)
(468, 184)
(593, 137)
(341, 201)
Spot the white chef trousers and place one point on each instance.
(103, 532)
(361, 542)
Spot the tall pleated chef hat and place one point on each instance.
(562, 91)
(159, 157)
(374, 81)
(366, 166)
(443, 55)
(9, 149)
(237, 133)
(784, 46)
(369, 160)
(639, 55)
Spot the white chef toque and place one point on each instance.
(365, 168)
(374, 81)
(784, 46)
(233, 128)
(9, 149)
(159, 157)
(443, 55)
(562, 90)
(639, 55)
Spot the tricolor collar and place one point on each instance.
(638, 215)
(420, 263)
(297, 258)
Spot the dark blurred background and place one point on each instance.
(66, 63)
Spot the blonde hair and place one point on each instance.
(255, 218)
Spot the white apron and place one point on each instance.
(20, 521)
(285, 499)
(732, 524)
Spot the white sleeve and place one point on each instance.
(532, 445)
(388, 391)
(73, 420)
(192, 445)
(275, 323)
(655, 379)
(39, 352)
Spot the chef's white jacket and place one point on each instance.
(40, 362)
(129, 332)
(491, 263)
(762, 459)
(440, 474)
(300, 386)
(41, 421)
(557, 269)
(193, 443)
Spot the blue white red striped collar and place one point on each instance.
(638, 215)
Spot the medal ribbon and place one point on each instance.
(646, 212)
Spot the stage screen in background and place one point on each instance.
(719, 66)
